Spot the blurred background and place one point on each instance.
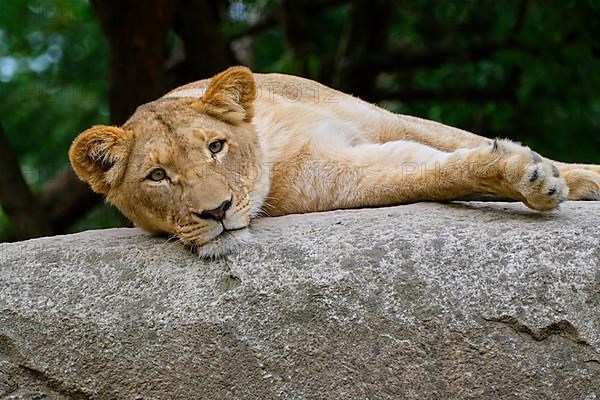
(524, 69)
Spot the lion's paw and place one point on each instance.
(583, 184)
(537, 182)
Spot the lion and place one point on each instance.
(203, 161)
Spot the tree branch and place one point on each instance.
(18, 202)
(65, 200)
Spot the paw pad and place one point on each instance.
(534, 175)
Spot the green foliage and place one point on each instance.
(550, 63)
(53, 68)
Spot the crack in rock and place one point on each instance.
(10, 353)
(54, 384)
(562, 328)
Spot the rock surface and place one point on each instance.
(426, 301)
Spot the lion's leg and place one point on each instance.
(430, 133)
(404, 172)
(583, 179)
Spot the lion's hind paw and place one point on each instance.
(583, 184)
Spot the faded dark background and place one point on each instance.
(523, 69)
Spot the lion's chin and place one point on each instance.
(227, 242)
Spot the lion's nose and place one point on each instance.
(216, 214)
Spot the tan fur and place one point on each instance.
(296, 146)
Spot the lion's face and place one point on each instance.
(186, 167)
(188, 174)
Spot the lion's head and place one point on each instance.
(182, 166)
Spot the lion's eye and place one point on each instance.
(157, 175)
(216, 146)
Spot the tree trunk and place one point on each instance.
(294, 25)
(197, 22)
(366, 37)
(137, 32)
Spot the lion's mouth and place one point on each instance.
(229, 241)
(225, 229)
(233, 232)
(215, 239)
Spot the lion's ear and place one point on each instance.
(231, 95)
(98, 156)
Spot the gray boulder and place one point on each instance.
(425, 301)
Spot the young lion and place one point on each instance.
(205, 159)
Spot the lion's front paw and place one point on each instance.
(537, 182)
(583, 184)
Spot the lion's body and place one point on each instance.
(320, 149)
(312, 135)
